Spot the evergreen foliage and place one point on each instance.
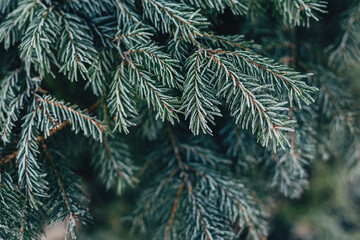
(195, 119)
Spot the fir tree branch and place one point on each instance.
(8, 92)
(155, 96)
(100, 72)
(159, 62)
(7, 6)
(78, 119)
(156, 193)
(122, 104)
(232, 198)
(133, 35)
(236, 6)
(15, 22)
(113, 160)
(184, 19)
(76, 47)
(30, 176)
(187, 182)
(10, 207)
(198, 100)
(36, 44)
(13, 155)
(276, 73)
(173, 211)
(346, 36)
(347, 50)
(270, 123)
(126, 14)
(139, 72)
(60, 183)
(226, 41)
(72, 110)
(67, 201)
(12, 116)
(299, 12)
(142, 170)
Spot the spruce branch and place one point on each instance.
(335, 105)
(131, 36)
(243, 211)
(7, 6)
(176, 18)
(11, 212)
(67, 201)
(236, 6)
(122, 104)
(62, 112)
(347, 50)
(215, 181)
(33, 222)
(299, 12)
(8, 91)
(233, 42)
(12, 117)
(173, 211)
(76, 49)
(13, 155)
(36, 44)
(101, 71)
(278, 75)
(290, 175)
(213, 207)
(250, 102)
(126, 13)
(154, 93)
(155, 194)
(159, 62)
(89, 8)
(200, 220)
(113, 161)
(31, 177)
(17, 20)
(10, 104)
(198, 100)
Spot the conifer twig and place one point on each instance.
(13, 155)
